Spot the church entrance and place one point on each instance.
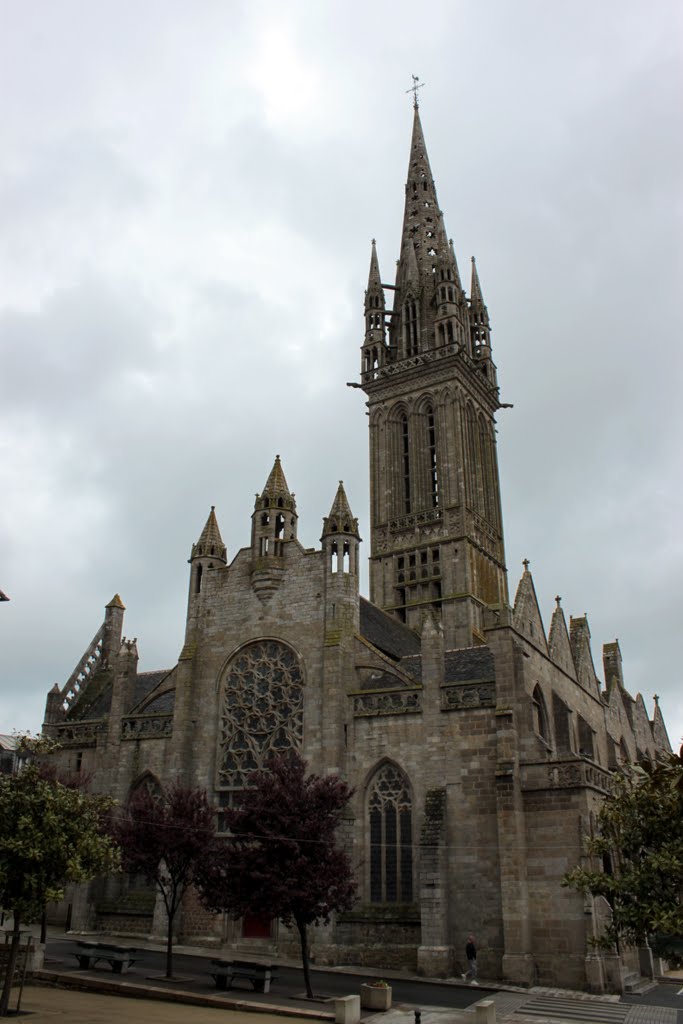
(256, 926)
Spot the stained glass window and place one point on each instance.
(261, 712)
(391, 850)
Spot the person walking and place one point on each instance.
(471, 954)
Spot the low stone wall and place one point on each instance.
(123, 922)
(395, 958)
(376, 935)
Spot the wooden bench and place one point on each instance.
(120, 958)
(260, 975)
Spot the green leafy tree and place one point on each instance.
(167, 837)
(51, 834)
(639, 848)
(282, 859)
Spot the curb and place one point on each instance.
(74, 980)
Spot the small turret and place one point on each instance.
(374, 346)
(611, 661)
(340, 542)
(112, 629)
(54, 711)
(480, 328)
(274, 521)
(208, 553)
(340, 537)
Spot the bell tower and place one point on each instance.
(427, 370)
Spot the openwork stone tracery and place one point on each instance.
(391, 851)
(261, 712)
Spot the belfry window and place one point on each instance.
(431, 456)
(410, 314)
(405, 462)
(391, 837)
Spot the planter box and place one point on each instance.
(375, 997)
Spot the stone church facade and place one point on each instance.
(479, 746)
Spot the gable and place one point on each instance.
(559, 646)
(580, 640)
(526, 614)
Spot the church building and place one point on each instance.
(479, 747)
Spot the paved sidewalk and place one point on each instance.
(52, 1005)
(98, 997)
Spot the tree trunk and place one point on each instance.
(169, 944)
(304, 955)
(11, 963)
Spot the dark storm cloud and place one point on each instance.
(187, 205)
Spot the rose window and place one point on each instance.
(262, 710)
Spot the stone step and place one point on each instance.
(590, 1011)
(637, 986)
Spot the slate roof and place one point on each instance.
(386, 633)
(145, 682)
(470, 665)
(161, 705)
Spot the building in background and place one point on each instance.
(9, 758)
(479, 745)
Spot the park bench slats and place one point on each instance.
(260, 975)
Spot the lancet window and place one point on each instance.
(431, 457)
(405, 462)
(391, 836)
(411, 332)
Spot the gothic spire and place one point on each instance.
(480, 328)
(276, 493)
(374, 278)
(276, 484)
(476, 297)
(423, 226)
(210, 543)
(341, 518)
(456, 272)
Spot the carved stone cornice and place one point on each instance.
(79, 734)
(386, 702)
(146, 727)
(578, 773)
(465, 696)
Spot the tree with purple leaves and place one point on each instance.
(169, 838)
(282, 859)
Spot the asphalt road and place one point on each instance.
(289, 985)
(194, 972)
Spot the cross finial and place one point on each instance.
(525, 563)
(656, 699)
(417, 84)
(558, 599)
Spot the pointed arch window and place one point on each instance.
(405, 462)
(146, 783)
(431, 457)
(410, 316)
(540, 714)
(391, 836)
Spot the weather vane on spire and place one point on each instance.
(414, 87)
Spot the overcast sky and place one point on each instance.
(187, 197)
